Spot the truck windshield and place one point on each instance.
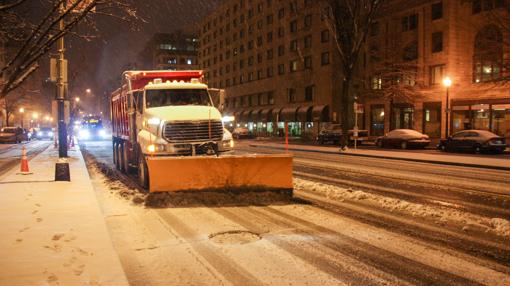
(172, 97)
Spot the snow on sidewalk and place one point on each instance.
(53, 233)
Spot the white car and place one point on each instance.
(227, 143)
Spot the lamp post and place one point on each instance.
(22, 111)
(447, 82)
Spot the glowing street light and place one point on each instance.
(35, 115)
(88, 90)
(22, 111)
(447, 82)
(77, 99)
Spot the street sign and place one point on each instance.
(54, 70)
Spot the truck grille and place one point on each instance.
(191, 131)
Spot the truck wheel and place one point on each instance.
(125, 159)
(117, 162)
(143, 172)
(120, 155)
(114, 146)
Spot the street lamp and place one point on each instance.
(77, 99)
(22, 111)
(447, 82)
(88, 90)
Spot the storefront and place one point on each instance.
(491, 115)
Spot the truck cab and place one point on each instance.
(177, 118)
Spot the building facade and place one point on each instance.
(425, 42)
(278, 62)
(275, 60)
(170, 51)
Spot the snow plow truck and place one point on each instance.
(165, 125)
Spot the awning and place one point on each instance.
(304, 114)
(320, 113)
(253, 115)
(243, 116)
(266, 115)
(276, 114)
(288, 114)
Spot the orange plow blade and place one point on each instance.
(171, 174)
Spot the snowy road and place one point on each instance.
(353, 221)
(10, 154)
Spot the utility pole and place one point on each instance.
(61, 89)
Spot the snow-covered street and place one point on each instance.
(351, 221)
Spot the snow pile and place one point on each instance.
(441, 215)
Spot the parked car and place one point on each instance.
(13, 135)
(44, 133)
(333, 133)
(473, 140)
(242, 132)
(404, 139)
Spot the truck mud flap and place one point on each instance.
(252, 172)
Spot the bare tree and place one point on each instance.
(11, 103)
(39, 37)
(349, 21)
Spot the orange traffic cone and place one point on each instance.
(24, 163)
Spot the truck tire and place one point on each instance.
(143, 171)
(125, 159)
(114, 153)
(120, 155)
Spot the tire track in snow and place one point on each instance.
(336, 267)
(232, 272)
(399, 266)
(497, 253)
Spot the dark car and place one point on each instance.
(45, 133)
(473, 140)
(333, 133)
(404, 139)
(13, 135)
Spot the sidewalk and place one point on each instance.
(465, 160)
(53, 233)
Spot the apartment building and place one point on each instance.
(170, 51)
(424, 42)
(276, 61)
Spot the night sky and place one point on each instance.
(97, 62)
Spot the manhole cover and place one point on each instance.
(234, 237)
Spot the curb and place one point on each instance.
(391, 158)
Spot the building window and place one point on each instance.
(437, 11)
(250, 61)
(270, 97)
(269, 72)
(309, 90)
(308, 62)
(281, 32)
(293, 26)
(281, 50)
(410, 22)
(376, 82)
(259, 74)
(269, 37)
(325, 36)
(437, 73)
(488, 55)
(293, 66)
(325, 58)
(308, 21)
(291, 95)
(281, 13)
(486, 5)
(259, 58)
(411, 52)
(269, 54)
(308, 41)
(281, 69)
(293, 45)
(269, 19)
(437, 42)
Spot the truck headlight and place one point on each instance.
(153, 148)
(154, 121)
(85, 134)
(231, 143)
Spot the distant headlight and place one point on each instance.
(85, 134)
(102, 133)
(39, 133)
(50, 134)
